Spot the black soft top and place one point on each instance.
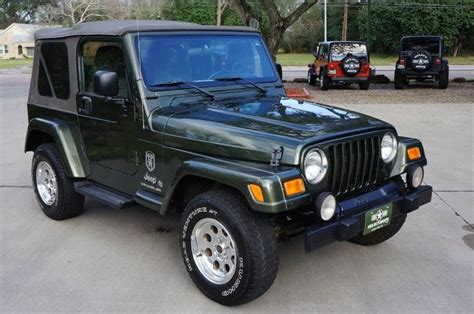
(419, 37)
(343, 42)
(122, 27)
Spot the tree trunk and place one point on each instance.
(274, 39)
(278, 23)
(457, 47)
(220, 8)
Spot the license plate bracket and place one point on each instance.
(378, 218)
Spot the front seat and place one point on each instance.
(110, 58)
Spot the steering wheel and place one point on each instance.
(220, 73)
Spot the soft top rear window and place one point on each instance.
(432, 45)
(340, 50)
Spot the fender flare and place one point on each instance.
(402, 163)
(236, 176)
(68, 141)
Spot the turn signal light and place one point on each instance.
(438, 61)
(414, 153)
(294, 187)
(402, 61)
(257, 193)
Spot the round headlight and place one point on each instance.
(315, 166)
(388, 147)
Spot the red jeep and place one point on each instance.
(341, 62)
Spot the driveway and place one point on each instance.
(110, 260)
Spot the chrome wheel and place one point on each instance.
(46, 183)
(214, 251)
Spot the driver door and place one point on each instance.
(107, 124)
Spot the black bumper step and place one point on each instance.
(103, 194)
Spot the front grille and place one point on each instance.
(354, 165)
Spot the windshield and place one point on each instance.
(340, 50)
(410, 45)
(203, 58)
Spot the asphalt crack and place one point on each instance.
(453, 209)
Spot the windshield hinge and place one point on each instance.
(277, 155)
(135, 157)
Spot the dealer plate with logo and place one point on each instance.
(378, 218)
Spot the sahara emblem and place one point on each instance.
(150, 161)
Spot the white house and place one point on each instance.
(17, 41)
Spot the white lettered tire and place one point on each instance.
(229, 251)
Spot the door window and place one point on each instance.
(100, 56)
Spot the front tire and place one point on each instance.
(380, 235)
(229, 251)
(53, 189)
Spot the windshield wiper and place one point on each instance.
(177, 83)
(238, 78)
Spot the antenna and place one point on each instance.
(140, 73)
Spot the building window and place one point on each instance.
(5, 48)
(1, 49)
(30, 51)
(20, 50)
(56, 63)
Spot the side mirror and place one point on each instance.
(279, 70)
(106, 83)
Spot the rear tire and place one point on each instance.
(221, 221)
(443, 80)
(364, 85)
(398, 80)
(324, 82)
(381, 235)
(53, 189)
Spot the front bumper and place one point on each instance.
(351, 213)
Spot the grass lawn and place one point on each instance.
(303, 59)
(7, 63)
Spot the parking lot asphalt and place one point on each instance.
(110, 260)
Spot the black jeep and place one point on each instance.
(421, 58)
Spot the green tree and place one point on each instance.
(389, 23)
(19, 11)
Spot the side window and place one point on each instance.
(56, 63)
(324, 51)
(99, 56)
(43, 85)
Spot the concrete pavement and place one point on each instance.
(115, 260)
(466, 71)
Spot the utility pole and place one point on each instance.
(368, 23)
(344, 20)
(325, 20)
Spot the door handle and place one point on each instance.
(86, 105)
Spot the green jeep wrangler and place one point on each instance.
(194, 119)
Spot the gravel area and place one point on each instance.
(386, 94)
